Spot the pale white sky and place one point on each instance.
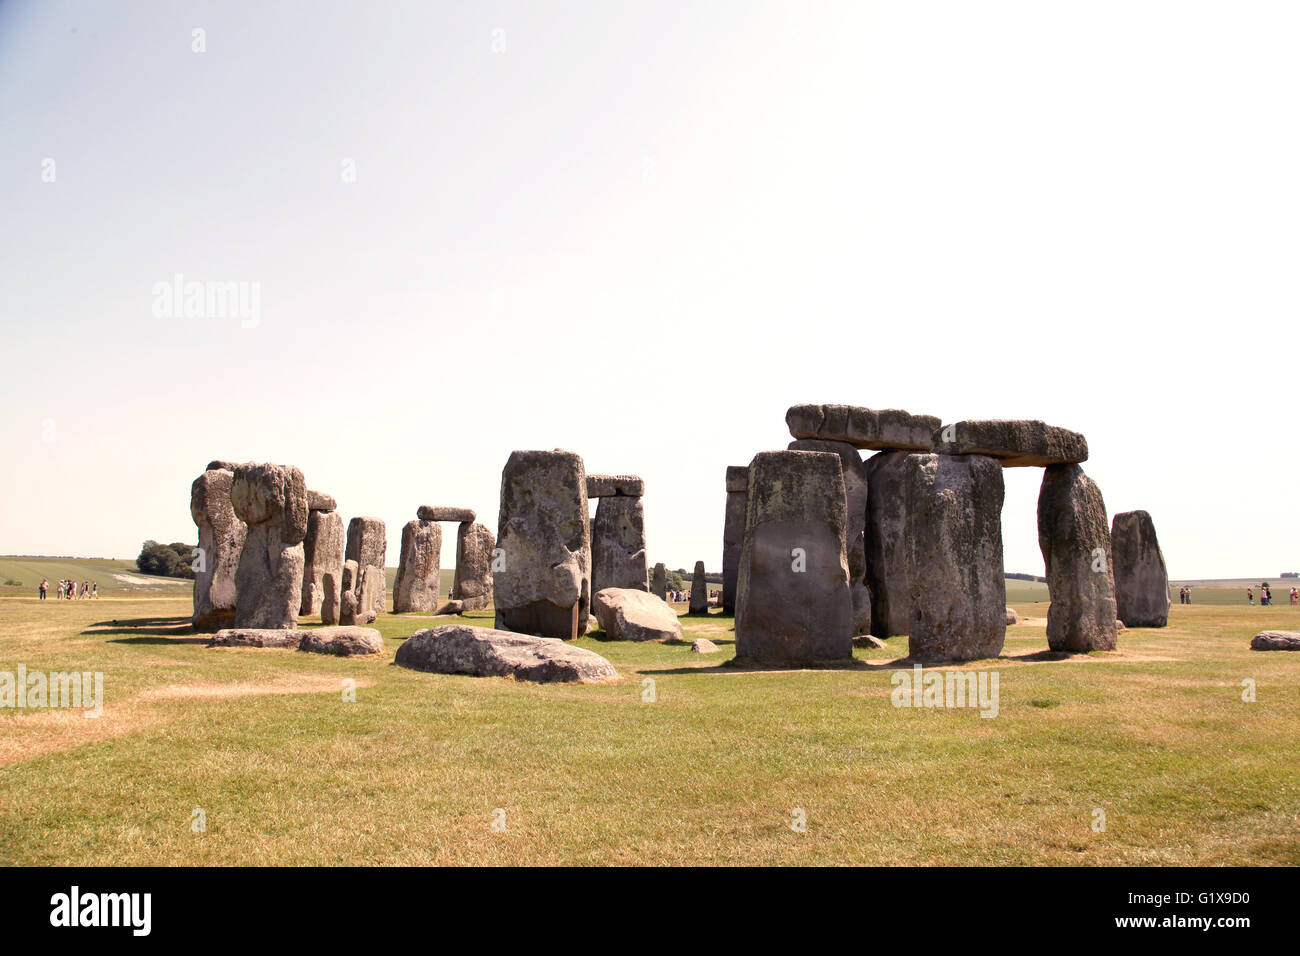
(640, 232)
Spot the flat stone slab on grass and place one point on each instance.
(629, 614)
(484, 652)
(1276, 641)
(702, 645)
(341, 641)
(1014, 443)
(878, 429)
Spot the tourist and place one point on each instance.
(94, 589)
(1250, 597)
(45, 587)
(1295, 596)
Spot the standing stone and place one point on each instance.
(618, 544)
(221, 541)
(659, 587)
(473, 582)
(955, 577)
(794, 604)
(885, 542)
(855, 489)
(1075, 542)
(1141, 581)
(416, 587)
(272, 501)
(733, 533)
(543, 586)
(368, 547)
(699, 590)
(322, 578)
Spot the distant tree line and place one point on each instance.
(166, 560)
(1017, 576)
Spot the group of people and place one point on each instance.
(71, 590)
(1266, 595)
(1185, 595)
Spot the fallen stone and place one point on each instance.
(618, 557)
(1012, 616)
(257, 637)
(416, 587)
(1016, 444)
(544, 584)
(472, 585)
(450, 607)
(481, 652)
(794, 604)
(1075, 541)
(1119, 625)
(867, 640)
(954, 557)
(272, 501)
(702, 645)
(318, 501)
(342, 641)
(609, 486)
(1141, 581)
(629, 614)
(1276, 641)
(885, 429)
(221, 541)
(436, 513)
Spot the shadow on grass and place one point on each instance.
(159, 630)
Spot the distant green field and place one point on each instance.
(113, 575)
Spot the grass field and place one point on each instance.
(286, 771)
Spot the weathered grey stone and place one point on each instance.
(544, 584)
(1075, 541)
(889, 428)
(954, 557)
(368, 546)
(1012, 616)
(221, 541)
(473, 583)
(659, 584)
(856, 496)
(885, 543)
(794, 604)
(256, 637)
(450, 607)
(342, 641)
(1276, 641)
(272, 501)
(608, 486)
(699, 590)
(702, 645)
(436, 513)
(1016, 444)
(319, 501)
(358, 599)
(630, 614)
(618, 544)
(1141, 581)
(417, 583)
(869, 641)
(220, 464)
(733, 533)
(322, 577)
(482, 652)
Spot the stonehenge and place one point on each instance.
(618, 550)
(888, 429)
(733, 532)
(1075, 541)
(543, 586)
(794, 605)
(221, 541)
(1141, 581)
(364, 584)
(472, 586)
(699, 590)
(954, 556)
(417, 584)
(272, 501)
(1016, 444)
(323, 549)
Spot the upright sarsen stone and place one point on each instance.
(1075, 541)
(1141, 581)
(855, 490)
(221, 541)
(659, 586)
(885, 542)
(272, 501)
(733, 533)
(794, 604)
(368, 547)
(416, 587)
(618, 545)
(544, 585)
(322, 578)
(953, 545)
(473, 583)
(699, 590)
